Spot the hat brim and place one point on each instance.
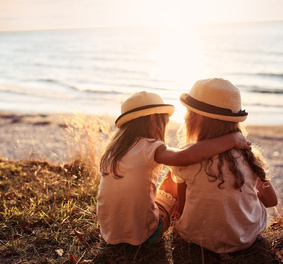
(141, 111)
(212, 111)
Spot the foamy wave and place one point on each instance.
(260, 89)
(25, 91)
(270, 74)
(58, 94)
(125, 88)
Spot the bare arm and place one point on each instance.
(266, 194)
(200, 151)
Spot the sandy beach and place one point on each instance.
(45, 137)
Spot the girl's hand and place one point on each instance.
(266, 193)
(241, 142)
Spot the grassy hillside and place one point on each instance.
(48, 215)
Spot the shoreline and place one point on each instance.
(43, 137)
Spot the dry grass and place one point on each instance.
(48, 214)
(86, 137)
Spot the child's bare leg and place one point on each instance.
(166, 201)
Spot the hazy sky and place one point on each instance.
(45, 14)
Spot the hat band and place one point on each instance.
(141, 108)
(190, 101)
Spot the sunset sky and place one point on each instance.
(49, 14)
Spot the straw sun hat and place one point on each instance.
(142, 104)
(215, 98)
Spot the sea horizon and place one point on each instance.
(92, 70)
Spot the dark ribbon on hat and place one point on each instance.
(190, 101)
(141, 108)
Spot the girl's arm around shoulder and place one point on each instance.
(266, 193)
(200, 151)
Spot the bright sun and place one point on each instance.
(180, 62)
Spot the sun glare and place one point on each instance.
(180, 62)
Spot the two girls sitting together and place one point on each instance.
(219, 187)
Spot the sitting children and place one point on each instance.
(129, 208)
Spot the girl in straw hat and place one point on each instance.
(128, 208)
(221, 200)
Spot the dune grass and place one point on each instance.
(48, 214)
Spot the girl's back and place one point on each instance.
(221, 219)
(126, 205)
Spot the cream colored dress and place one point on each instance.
(221, 220)
(126, 207)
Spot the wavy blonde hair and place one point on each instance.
(127, 136)
(206, 128)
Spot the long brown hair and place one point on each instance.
(127, 136)
(206, 128)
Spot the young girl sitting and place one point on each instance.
(221, 200)
(128, 209)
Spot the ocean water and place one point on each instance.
(92, 71)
